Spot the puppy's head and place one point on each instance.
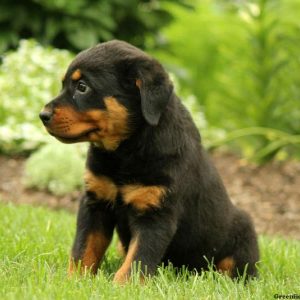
(107, 93)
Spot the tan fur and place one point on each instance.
(76, 75)
(123, 274)
(142, 197)
(95, 248)
(102, 186)
(226, 265)
(69, 123)
(111, 124)
(138, 83)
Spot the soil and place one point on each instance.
(269, 193)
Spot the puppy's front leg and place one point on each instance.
(95, 224)
(150, 239)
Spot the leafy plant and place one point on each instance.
(29, 78)
(275, 139)
(255, 91)
(243, 71)
(79, 24)
(55, 167)
(193, 52)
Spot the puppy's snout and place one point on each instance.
(46, 116)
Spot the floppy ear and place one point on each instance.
(155, 89)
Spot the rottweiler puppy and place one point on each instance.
(147, 174)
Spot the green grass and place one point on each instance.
(34, 247)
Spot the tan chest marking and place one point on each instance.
(139, 196)
(143, 197)
(102, 186)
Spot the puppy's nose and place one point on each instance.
(46, 116)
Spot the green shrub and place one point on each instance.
(29, 78)
(80, 24)
(256, 90)
(243, 70)
(56, 167)
(211, 135)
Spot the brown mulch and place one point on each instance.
(269, 193)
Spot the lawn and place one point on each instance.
(34, 247)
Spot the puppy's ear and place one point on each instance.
(155, 89)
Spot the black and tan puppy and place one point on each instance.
(147, 175)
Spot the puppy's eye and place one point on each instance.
(82, 87)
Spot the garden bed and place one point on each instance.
(270, 193)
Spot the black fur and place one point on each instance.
(196, 222)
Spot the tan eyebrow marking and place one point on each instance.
(138, 83)
(76, 75)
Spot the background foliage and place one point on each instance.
(243, 69)
(29, 78)
(80, 24)
(60, 177)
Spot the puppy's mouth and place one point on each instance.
(69, 139)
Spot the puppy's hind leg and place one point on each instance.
(244, 254)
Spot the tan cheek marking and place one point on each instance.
(123, 274)
(117, 118)
(143, 197)
(68, 122)
(226, 265)
(113, 124)
(95, 248)
(102, 186)
(76, 75)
